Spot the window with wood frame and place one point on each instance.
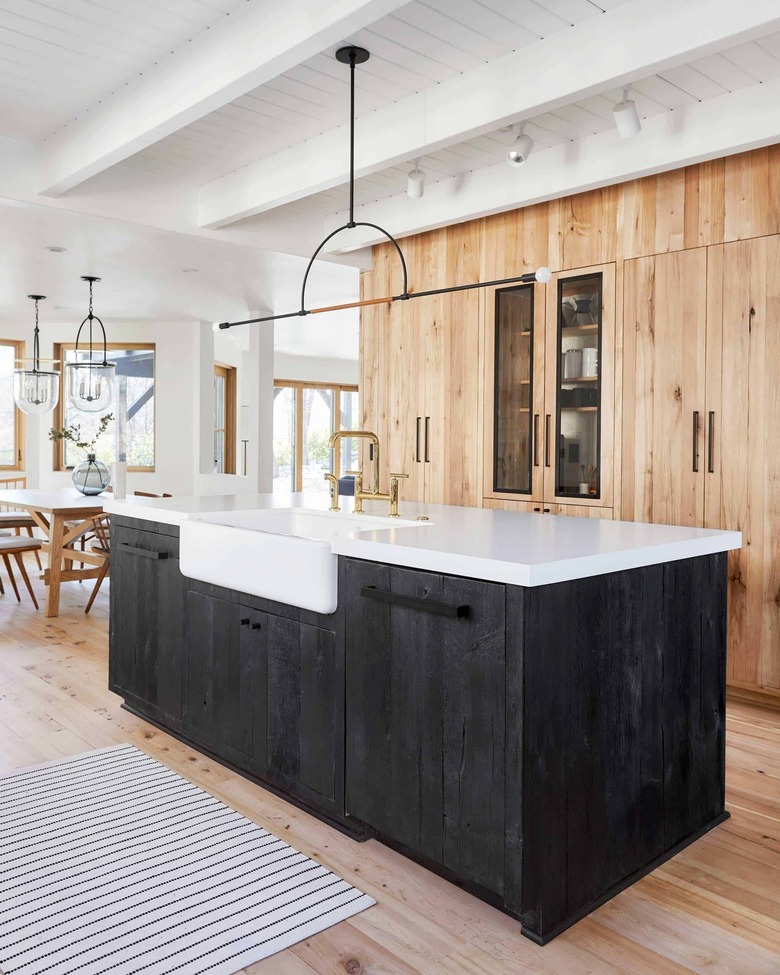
(224, 419)
(11, 418)
(134, 393)
(305, 415)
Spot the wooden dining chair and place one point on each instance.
(17, 546)
(15, 520)
(102, 536)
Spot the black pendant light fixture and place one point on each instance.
(36, 390)
(353, 56)
(90, 380)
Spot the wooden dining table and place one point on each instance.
(63, 515)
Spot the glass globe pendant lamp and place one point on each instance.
(90, 380)
(36, 390)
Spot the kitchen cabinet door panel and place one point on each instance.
(304, 707)
(664, 350)
(146, 647)
(425, 728)
(743, 447)
(225, 676)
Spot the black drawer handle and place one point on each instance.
(257, 626)
(145, 552)
(412, 602)
(245, 621)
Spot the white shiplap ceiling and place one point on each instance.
(58, 58)
(417, 47)
(748, 64)
(111, 110)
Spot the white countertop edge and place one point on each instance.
(529, 576)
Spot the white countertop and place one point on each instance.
(501, 546)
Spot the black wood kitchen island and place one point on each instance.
(542, 746)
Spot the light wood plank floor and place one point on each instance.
(713, 909)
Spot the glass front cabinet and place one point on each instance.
(550, 391)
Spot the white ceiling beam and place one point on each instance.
(630, 42)
(736, 122)
(245, 51)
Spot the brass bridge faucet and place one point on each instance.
(373, 494)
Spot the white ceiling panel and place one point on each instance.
(423, 44)
(59, 57)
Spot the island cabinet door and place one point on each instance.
(425, 658)
(147, 621)
(225, 678)
(304, 710)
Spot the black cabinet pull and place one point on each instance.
(537, 509)
(535, 435)
(144, 552)
(711, 443)
(547, 440)
(546, 511)
(695, 442)
(257, 626)
(417, 451)
(245, 621)
(427, 439)
(412, 602)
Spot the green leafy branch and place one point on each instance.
(73, 434)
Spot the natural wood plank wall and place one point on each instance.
(680, 345)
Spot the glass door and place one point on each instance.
(517, 352)
(576, 447)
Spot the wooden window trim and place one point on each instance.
(18, 346)
(60, 348)
(230, 376)
(298, 386)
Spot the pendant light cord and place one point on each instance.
(352, 57)
(36, 343)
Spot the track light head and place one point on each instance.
(627, 118)
(415, 181)
(522, 148)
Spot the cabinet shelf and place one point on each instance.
(579, 409)
(580, 379)
(578, 329)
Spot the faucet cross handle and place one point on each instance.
(394, 493)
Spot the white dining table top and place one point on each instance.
(59, 499)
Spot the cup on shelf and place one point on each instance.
(590, 362)
(583, 487)
(573, 364)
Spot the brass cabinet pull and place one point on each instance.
(535, 435)
(711, 442)
(417, 452)
(695, 442)
(427, 439)
(547, 440)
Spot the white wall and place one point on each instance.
(316, 369)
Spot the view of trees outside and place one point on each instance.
(318, 406)
(7, 424)
(134, 389)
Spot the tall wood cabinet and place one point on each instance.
(701, 402)
(420, 363)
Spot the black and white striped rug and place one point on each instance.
(111, 863)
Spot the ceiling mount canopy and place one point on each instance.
(353, 55)
(36, 390)
(90, 380)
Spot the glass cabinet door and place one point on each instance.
(578, 413)
(513, 393)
